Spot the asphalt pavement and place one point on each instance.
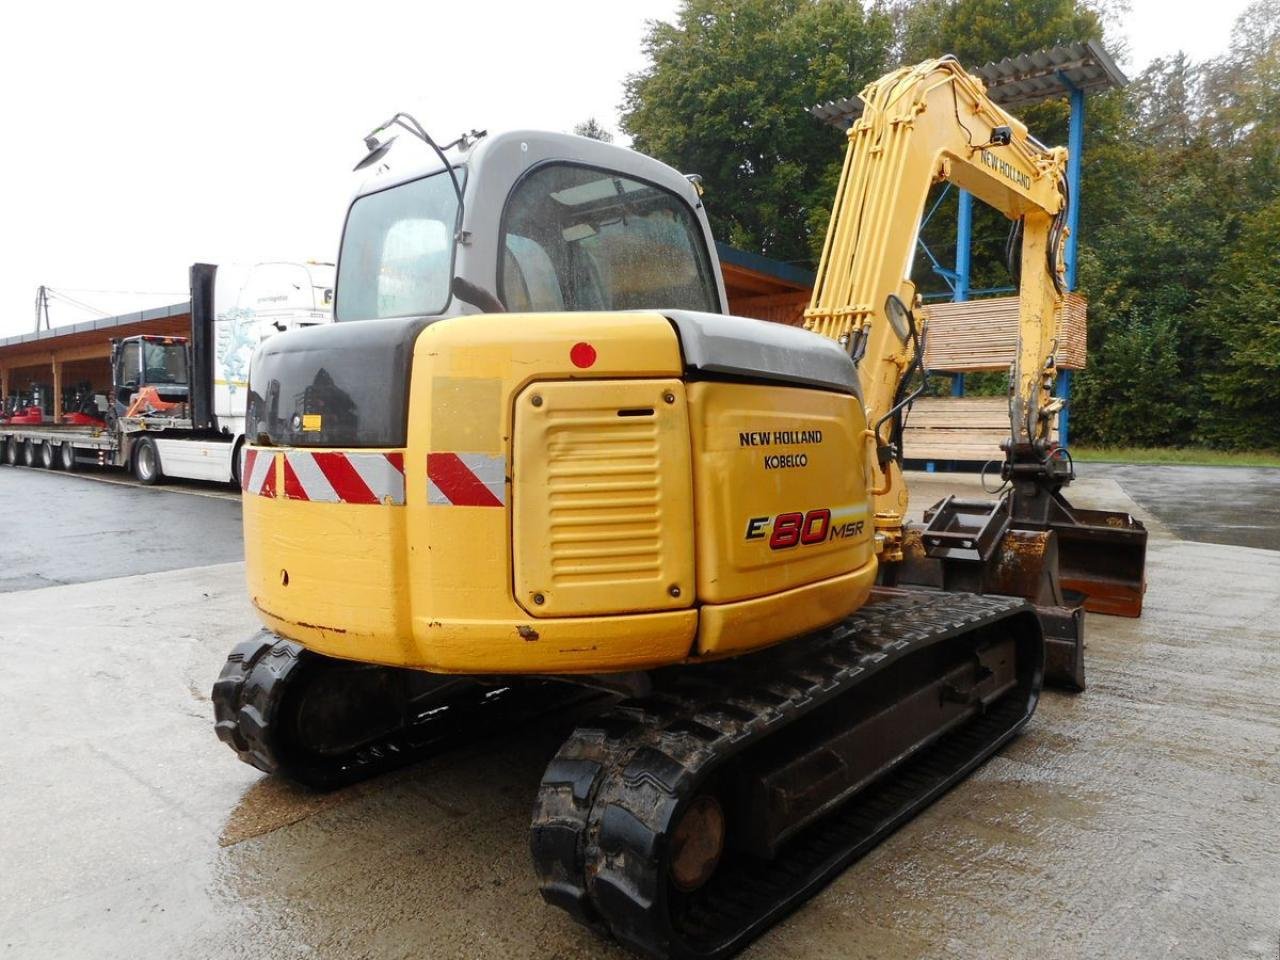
(61, 528)
(1233, 505)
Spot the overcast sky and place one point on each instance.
(139, 138)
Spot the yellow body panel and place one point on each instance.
(732, 628)
(444, 581)
(467, 374)
(781, 494)
(332, 575)
(602, 504)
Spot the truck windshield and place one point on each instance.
(164, 362)
(397, 251)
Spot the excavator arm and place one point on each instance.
(922, 125)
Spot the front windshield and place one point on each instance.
(578, 238)
(397, 251)
(164, 362)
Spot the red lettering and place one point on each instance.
(786, 531)
(816, 525)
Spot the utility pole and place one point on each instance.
(42, 308)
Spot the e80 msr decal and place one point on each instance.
(801, 529)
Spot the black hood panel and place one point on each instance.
(337, 385)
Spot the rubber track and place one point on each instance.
(249, 698)
(611, 796)
(242, 706)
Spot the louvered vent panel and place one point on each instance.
(602, 514)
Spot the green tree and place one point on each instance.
(1128, 394)
(726, 95)
(593, 130)
(1242, 313)
(1243, 92)
(982, 31)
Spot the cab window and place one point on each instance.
(579, 238)
(397, 251)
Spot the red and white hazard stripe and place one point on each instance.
(257, 472)
(331, 477)
(466, 479)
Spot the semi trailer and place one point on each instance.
(175, 406)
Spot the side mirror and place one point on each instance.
(899, 316)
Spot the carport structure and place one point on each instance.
(760, 287)
(46, 363)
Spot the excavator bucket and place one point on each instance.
(1076, 560)
(1103, 555)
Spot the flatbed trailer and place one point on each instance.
(184, 452)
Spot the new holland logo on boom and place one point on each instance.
(1006, 169)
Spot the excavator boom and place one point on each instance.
(921, 125)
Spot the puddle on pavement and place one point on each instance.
(274, 802)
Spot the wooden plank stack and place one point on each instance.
(970, 337)
(981, 335)
(968, 429)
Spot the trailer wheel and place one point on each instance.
(11, 451)
(146, 462)
(47, 458)
(28, 453)
(67, 456)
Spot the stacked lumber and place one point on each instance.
(968, 429)
(983, 334)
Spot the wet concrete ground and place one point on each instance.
(1234, 505)
(1138, 820)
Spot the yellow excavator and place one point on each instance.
(534, 456)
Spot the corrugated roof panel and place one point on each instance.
(106, 323)
(1017, 81)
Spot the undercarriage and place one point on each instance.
(687, 820)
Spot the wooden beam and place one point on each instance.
(57, 390)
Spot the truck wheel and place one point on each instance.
(146, 462)
(11, 451)
(47, 458)
(236, 455)
(28, 453)
(67, 456)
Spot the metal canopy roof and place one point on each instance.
(1046, 74)
(1018, 81)
(106, 324)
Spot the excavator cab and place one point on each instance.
(571, 232)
